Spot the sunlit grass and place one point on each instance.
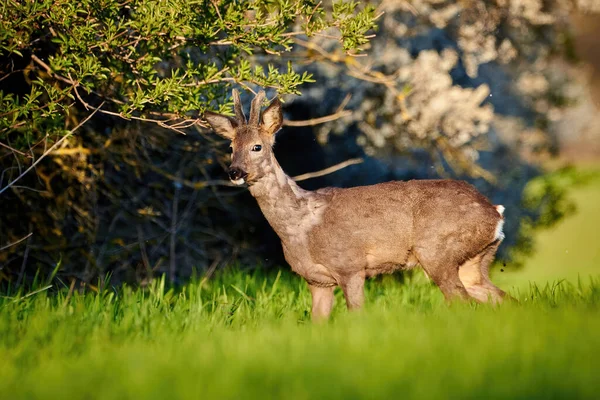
(248, 335)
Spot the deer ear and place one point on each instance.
(272, 117)
(221, 124)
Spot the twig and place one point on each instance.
(344, 103)
(211, 269)
(24, 263)
(49, 70)
(456, 158)
(339, 113)
(10, 73)
(313, 46)
(317, 121)
(75, 85)
(328, 170)
(54, 146)
(298, 178)
(71, 289)
(28, 188)
(188, 183)
(145, 259)
(17, 242)
(15, 150)
(358, 71)
(32, 293)
(173, 238)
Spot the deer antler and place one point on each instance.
(237, 106)
(255, 108)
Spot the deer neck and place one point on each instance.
(290, 210)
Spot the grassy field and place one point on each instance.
(248, 335)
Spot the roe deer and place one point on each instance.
(336, 236)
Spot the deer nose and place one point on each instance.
(236, 173)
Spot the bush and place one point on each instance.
(150, 62)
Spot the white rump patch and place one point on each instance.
(499, 235)
(500, 210)
(238, 182)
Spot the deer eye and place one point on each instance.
(257, 147)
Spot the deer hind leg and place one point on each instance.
(444, 275)
(322, 301)
(474, 274)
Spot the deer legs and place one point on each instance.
(353, 288)
(322, 301)
(457, 282)
(445, 276)
(322, 297)
(474, 274)
(469, 280)
(442, 271)
(449, 283)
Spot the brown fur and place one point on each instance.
(338, 237)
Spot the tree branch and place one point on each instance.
(317, 121)
(15, 150)
(339, 113)
(17, 242)
(328, 170)
(24, 263)
(54, 146)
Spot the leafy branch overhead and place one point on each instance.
(161, 61)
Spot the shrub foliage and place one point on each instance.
(151, 62)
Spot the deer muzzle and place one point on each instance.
(237, 175)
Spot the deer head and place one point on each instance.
(251, 140)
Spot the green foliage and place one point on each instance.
(153, 59)
(353, 28)
(547, 201)
(547, 196)
(248, 335)
(160, 61)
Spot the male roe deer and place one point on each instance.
(336, 236)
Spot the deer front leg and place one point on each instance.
(353, 288)
(322, 301)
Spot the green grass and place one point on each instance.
(248, 335)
